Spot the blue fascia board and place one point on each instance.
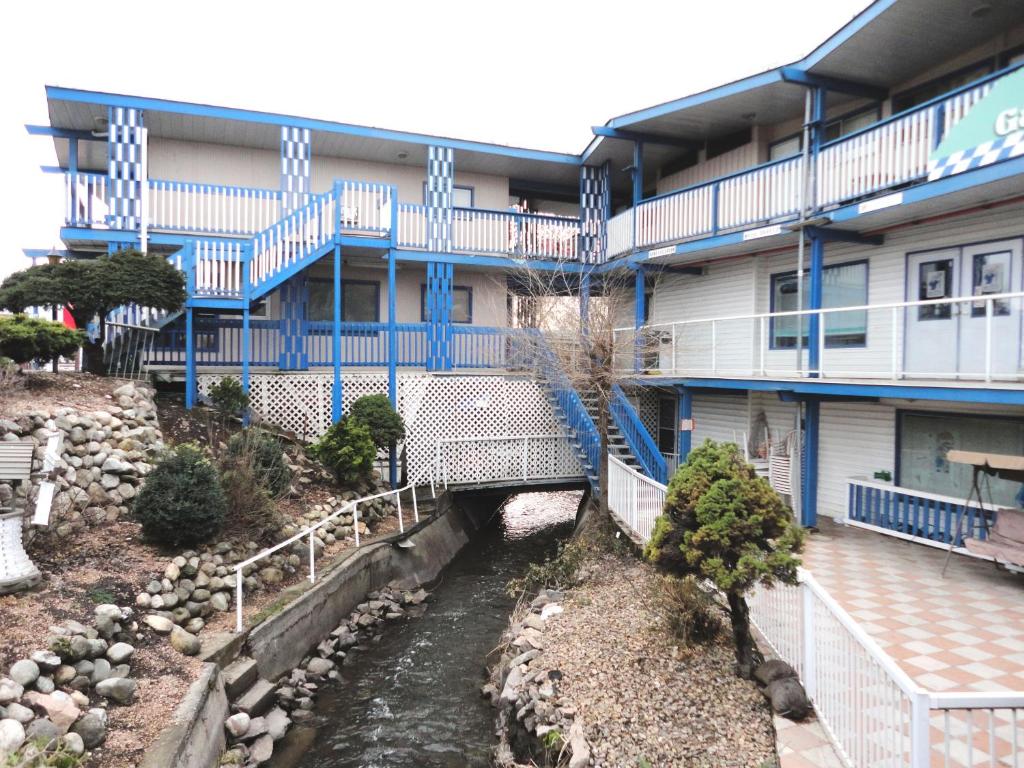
(848, 30)
(36, 253)
(836, 84)
(132, 236)
(988, 394)
(209, 302)
(271, 118)
(62, 133)
(730, 89)
(501, 262)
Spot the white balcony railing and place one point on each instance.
(181, 206)
(85, 200)
(889, 154)
(975, 338)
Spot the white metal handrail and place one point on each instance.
(635, 497)
(310, 531)
(441, 471)
(757, 338)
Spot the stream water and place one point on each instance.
(412, 700)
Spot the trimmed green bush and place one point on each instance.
(228, 397)
(182, 502)
(376, 412)
(347, 450)
(263, 452)
(724, 523)
(24, 338)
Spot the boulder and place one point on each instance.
(9, 691)
(184, 642)
(788, 698)
(58, 707)
(24, 672)
(74, 743)
(119, 653)
(237, 725)
(118, 689)
(92, 728)
(772, 670)
(159, 624)
(12, 736)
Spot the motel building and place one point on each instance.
(828, 262)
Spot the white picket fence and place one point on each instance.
(874, 713)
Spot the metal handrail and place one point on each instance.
(312, 529)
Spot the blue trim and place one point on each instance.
(605, 132)
(269, 118)
(845, 389)
(685, 412)
(814, 302)
(500, 262)
(246, 320)
(62, 133)
(835, 84)
(722, 91)
(809, 475)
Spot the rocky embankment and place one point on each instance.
(251, 735)
(601, 682)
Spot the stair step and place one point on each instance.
(239, 676)
(257, 700)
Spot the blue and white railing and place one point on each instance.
(86, 202)
(928, 518)
(184, 206)
(514, 233)
(639, 440)
(889, 154)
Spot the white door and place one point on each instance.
(988, 269)
(929, 345)
(956, 340)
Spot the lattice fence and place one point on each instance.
(434, 407)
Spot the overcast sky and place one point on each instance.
(531, 73)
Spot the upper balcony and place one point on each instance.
(180, 207)
(890, 155)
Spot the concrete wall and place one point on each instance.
(281, 642)
(195, 736)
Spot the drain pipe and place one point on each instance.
(804, 181)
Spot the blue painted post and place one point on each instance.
(584, 301)
(336, 338)
(393, 330)
(815, 324)
(685, 413)
(73, 174)
(246, 312)
(640, 305)
(293, 325)
(638, 181)
(189, 263)
(809, 476)
(714, 208)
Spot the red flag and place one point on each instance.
(68, 320)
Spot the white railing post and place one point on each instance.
(238, 599)
(920, 730)
(762, 345)
(821, 346)
(673, 348)
(398, 503)
(312, 566)
(355, 520)
(988, 339)
(807, 615)
(415, 504)
(895, 343)
(714, 346)
(526, 458)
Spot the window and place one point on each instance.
(842, 285)
(667, 425)
(940, 85)
(834, 129)
(935, 281)
(990, 273)
(462, 304)
(462, 196)
(260, 310)
(924, 439)
(360, 301)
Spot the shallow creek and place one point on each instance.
(413, 698)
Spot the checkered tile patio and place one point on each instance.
(964, 632)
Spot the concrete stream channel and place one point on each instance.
(409, 696)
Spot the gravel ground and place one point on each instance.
(642, 698)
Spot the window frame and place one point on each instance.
(469, 292)
(472, 194)
(344, 282)
(776, 276)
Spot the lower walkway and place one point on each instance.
(961, 632)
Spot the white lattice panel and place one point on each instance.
(434, 407)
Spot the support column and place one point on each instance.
(392, 357)
(809, 475)
(595, 206)
(815, 324)
(125, 168)
(440, 276)
(685, 414)
(293, 315)
(246, 317)
(190, 359)
(584, 301)
(295, 161)
(638, 182)
(336, 338)
(640, 310)
(73, 174)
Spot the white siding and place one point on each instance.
(854, 439)
(726, 289)
(723, 418)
